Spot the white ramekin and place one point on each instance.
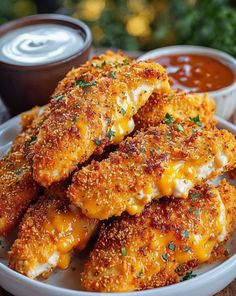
(225, 98)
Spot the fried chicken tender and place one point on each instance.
(17, 187)
(177, 104)
(161, 161)
(157, 247)
(92, 107)
(51, 231)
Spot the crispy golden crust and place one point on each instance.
(50, 232)
(156, 248)
(18, 189)
(91, 108)
(179, 105)
(150, 165)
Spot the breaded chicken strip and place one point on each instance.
(161, 161)
(157, 247)
(51, 231)
(92, 108)
(177, 104)
(17, 187)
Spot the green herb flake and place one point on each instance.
(59, 98)
(164, 257)
(194, 130)
(74, 119)
(171, 246)
(194, 211)
(108, 120)
(103, 64)
(188, 276)
(186, 234)
(187, 249)
(125, 62)
(32, 140)
(123, 252)
(169, 137)
(95, 65)
(113, 74)
(179, 269)
(169, 119)
(83, 83)
(180, 128)
(158, 149)
(139, 274)
(78, 104)
(110, 134)
(195, 195)
(196, 120)
(97, 142)
(123, 111)
(19, 171)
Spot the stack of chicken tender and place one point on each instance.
(120, 157)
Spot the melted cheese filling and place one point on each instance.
(177, 179)
(68, 230)
(197, 246)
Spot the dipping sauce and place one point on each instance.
(196, 73)
(39, 44)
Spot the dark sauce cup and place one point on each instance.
(24, 86)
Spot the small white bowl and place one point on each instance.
(225, 98)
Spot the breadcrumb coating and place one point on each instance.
(91, 108)
(159, 246)
(18, 189)
(51, 231)
(178, 104)
(161, 161)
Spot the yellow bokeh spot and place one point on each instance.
(138, 26)
(90, 10)
(135, 5)
(23, 8)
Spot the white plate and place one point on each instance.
(211, 278)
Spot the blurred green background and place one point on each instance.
(142, 24)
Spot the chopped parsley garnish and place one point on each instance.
(125, 62)
(97, 142)
(103, 64)
(32, 140)
(188, 276)
(179, 269)
(122, 111)
(83, 83)
(186, 234)
(187, 249)
(74, 119)
(194, 130)
(123, 252)
(139, 274)
(196, 120)
(169, 119)
(158, 149)
(19, 171)
(59, 98)
(171, 246)
(113, 74)
(108, 120)
(110, 134)
(164, 257)
(78, 104)
(95, 65)
(194, 211)
(180, 128)
(195, 195)
(169, 136)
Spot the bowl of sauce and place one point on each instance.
(199, 69)
(36, 52)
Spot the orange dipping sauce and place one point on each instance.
(196, 73)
